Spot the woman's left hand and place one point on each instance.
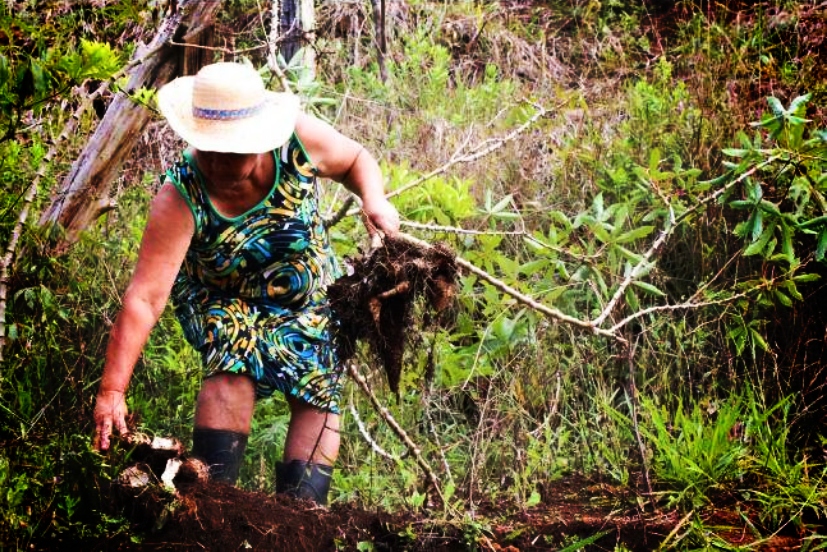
(380, 215)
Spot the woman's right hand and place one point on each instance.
(110, 410)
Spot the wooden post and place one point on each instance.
(378, 9)
(85, 193)
(295, 29)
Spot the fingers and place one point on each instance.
(120, 425)
(381, 216)
(110, 410)
(102, 432)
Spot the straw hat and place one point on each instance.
(226, 108)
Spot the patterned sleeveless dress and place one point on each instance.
(250, 295)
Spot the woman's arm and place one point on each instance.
(344, 160)
(165, 242)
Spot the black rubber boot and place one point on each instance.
(304, 480)
(222, 450)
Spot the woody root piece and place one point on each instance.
(390, 294)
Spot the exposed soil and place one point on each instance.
(196, 514)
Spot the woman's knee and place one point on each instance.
(226, 401)
(231, 388)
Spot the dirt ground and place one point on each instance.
(203, 516)
(179, 509)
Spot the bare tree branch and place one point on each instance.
(394, 425)
(482, 149)
(520, 297)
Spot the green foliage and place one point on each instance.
(788, 159)
(775, 184)
(33, 75)
(697, 450)
(564, 214)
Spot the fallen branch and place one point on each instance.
(481, 150)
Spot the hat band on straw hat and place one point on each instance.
(226, 114)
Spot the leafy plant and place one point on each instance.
(696, 451)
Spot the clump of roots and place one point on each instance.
(376, 302)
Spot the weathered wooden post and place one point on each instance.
(85, 193)
(293, 27)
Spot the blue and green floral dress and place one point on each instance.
(250, 294)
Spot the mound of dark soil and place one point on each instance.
(172, 506)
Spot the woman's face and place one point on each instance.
(227, 167)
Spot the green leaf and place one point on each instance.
(629, 254)
(649, 288)
(783, 299)
(654, 160)
(754, 191)
(787, 241)
(735, 152)
(822, 245)
(812, 222)
(776, 107)
(770, 207)
(601, 233)
(758, 339)
(634, 234)
(631, 299)
(739, 339)
(533, 500)
(502, 204)
(535, 267)
(797, 120)
(38, 78)
(757, 224)
(726, 176)
(757, 247)
(792, 289)
(5, 73)
(799, 104)
(806, 278)
(741, 204)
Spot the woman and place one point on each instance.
(235, 237)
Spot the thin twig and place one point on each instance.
(680, 306)
(634, 399)
(394, 425)
(480, 150)
(367, 437)
(222, 49)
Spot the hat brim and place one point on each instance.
(265, 131)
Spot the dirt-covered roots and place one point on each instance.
(397, 287)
